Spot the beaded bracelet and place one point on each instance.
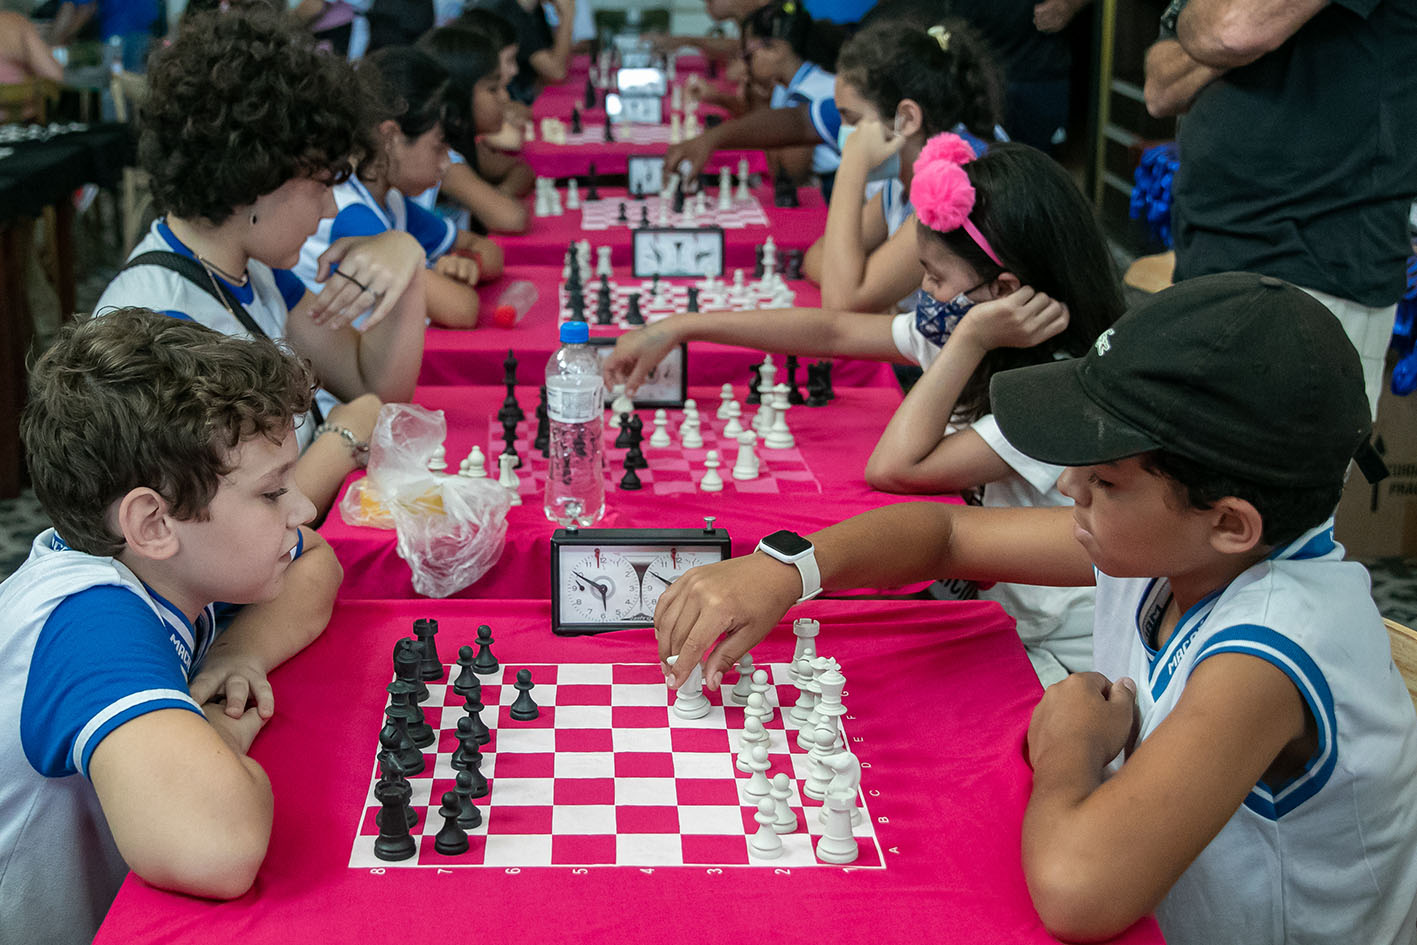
(357, 447)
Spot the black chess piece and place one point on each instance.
(420, 690)
(577, 302)
(399, 713)
(466, 681)
(576, 121)
(794, 396)
(589, 93)
(542, 443)
(609, 131)
(693, 303)
(604, 314)
(632, 313)
(524, 709)
(472, 705)
(391, 777)
(626, 436)
(784, 192)
(754, 397)
(407, 663)
(509, 441)
(630, 482)
(758, 261)
(792, 268)
(486, 664)
(624, 216)
(469, 817)
(467, 745)
(509, 378)
(679, 197)
(644, 216)
(430, 667)
(816, 393)
(452, 838)
(636, 458)
(592, 191)
(394, 841)
(827, 387)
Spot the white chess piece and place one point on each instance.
(506, 465)
(573, 195)
(701, 203)
(753, 734)
(838, 845)
(690, 701)
(845, 780)
(743, 687)
(438, 462)
(725, 397)
(758, 683)
(758, 706)
(733, 427)
(757, 785)
(777, 436)
(745, 466)
(712, 481)
(766, 844)
(620, 405)
(553, 198)
(676, 99)
(742, 194)
(602, 262)
(819, 775)
(769, 259)
(767, 377)
(529, 131)
(805, 630)
(784, 820)
(660, 436)
(663, 211)
(689, 436)
(539, 205)
(763, 419)
(476, 464)
(801, 711)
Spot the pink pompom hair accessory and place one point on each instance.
(941, 192)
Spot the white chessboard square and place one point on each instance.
(641, 739)
(583, 716)
(541, 695)
(646, 792)
(703, 764)
(649, 849)
(585, 764)
(718, 820)
(525, 740)
(517, 850)
(584, 819)
(524, 792)
(639, 694)
(714, 720)
(584, 674)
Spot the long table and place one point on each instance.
(816, 484)
(612, 821)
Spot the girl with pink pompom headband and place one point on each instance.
(941, 192)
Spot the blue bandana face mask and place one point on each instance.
(935, 320)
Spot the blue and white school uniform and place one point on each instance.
(461, 217)
(815, 87)
(85, 648)
(1330, 856)
(268, 296)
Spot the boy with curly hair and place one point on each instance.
(1242, 760)
(246, 128)
(163, 452)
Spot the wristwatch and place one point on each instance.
(791, 548)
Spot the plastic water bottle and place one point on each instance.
(513, 304)
(575, 483)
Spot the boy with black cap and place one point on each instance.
(1254, 784)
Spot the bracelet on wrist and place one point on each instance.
(358, 448)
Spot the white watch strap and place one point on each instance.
(811, 576)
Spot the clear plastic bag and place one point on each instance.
(451, 529)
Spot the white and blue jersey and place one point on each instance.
(460, 216)
(815, 87)
(1331, 855)
(85, 647)
(268, 296)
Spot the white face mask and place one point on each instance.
(887, 170)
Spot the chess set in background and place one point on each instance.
(729, 209)
(600, 768)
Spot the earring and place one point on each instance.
(253, 219)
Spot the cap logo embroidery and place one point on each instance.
(1103, 343)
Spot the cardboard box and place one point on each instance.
(1379, 521)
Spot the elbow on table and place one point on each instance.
(221, 866)
(890, 476)
(1075, 904)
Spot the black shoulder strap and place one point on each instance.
(195, 273)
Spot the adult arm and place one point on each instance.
(1174, 79)
(1225, 34)
(551, 64)
(914, 454)
(761, 128)
(71, 18)
(812, 332)
(723, 610)
(34, 53)
(264, 635)
(1095, 857)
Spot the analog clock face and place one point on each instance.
(670, 252)
(622, 583)
(666, 567)
(645, 174)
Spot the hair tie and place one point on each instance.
(941, 192)
(789, 8)
(941, 35)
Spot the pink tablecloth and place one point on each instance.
(815, 485)
(545, 242)
(939, 698)
(461, 356)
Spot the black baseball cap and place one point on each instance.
(1243, 373)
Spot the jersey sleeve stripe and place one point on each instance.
(124, 710)
(1290, 658)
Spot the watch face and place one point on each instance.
(788, 544)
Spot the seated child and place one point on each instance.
(543, 52)
(163, 453)
(1242, 760)
(246, 129)
(414, 96)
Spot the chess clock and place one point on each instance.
(644, 174)
(677, 253)
(645, 81)
(639, 109)
(666, 386)
(611, 578)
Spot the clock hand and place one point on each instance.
(601, 588)
(666, 580)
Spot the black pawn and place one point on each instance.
(630, 482)
(576, 120)
(472, 705)
(469, 817)
(609, 131)
(466, 683)
(793, 268)
(524, 709)
(632, 314)
(624, 217)
(486, 664)
(794, 396)
(625, 437)
(542, 443)
(636, 458)
(816, 392)
(451, 839)
(693, 304)
(430, 667)
(754, 396)
(784, 192)
(468, 748)
(591, 193)
(604, 315)
(394, 841)
(644, 216)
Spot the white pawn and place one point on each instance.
(769, 259)
(763, 419)
(758, 707)
(689, 436)
(743, 193)
(845, 780)
(701, 203)
(838, 844)
(712, 481)
(733, 427)
(554, 197)
(573, 195)
(602, 262)
(757, 785)
(691, 406)
(766, 844)
(506, 465)
(784, 820)
(759, 684)
(806, 698)
(621, 404)
(690, 701)
(738, 284)
(660, 436)
(725, 397)
(475, 465)
(663, 211)
(777, 436)
(725, 189)
(753, 734)
(540, 206)
(744, 686)
(438, 462)
(746, 464)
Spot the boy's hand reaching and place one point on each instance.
(1021, 319)
(237, 678)
(636, 354)
(740, 600)
(1085, 713)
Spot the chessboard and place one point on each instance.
(673, 469)
(624, 134)
(605, 214)
(673, 298)
(607, 775)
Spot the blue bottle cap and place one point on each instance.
(574, 333)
